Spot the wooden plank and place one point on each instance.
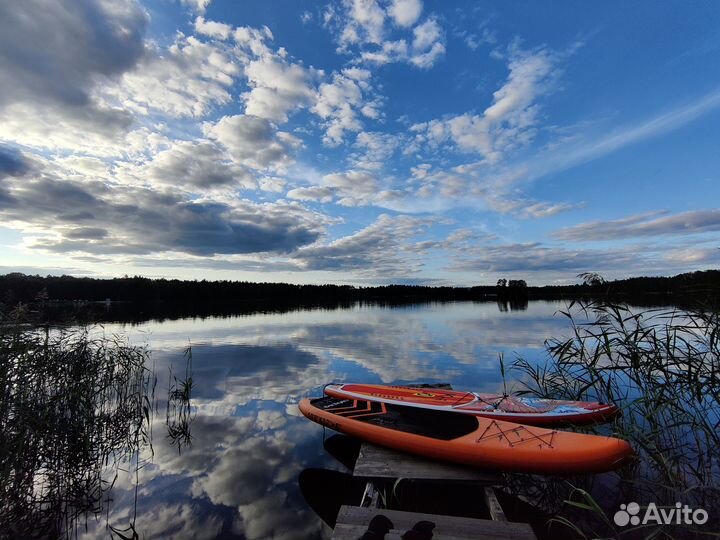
(354, 532)
(496, 511)
(446, 527)
(377, 462)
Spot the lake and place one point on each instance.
(238, 478)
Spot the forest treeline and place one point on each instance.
(20, 288)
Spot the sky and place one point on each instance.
(359, 141)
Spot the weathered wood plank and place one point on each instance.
(445, 526)
(377, 462)
(354, 532)
(496, 511)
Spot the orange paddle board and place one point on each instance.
(468, 439)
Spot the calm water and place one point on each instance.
(239, 477)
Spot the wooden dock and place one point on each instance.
(379, 464)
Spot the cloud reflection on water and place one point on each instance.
(238, 478)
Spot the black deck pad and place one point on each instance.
(442, 425)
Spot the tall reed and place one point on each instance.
(662, 367)
(179, 413)
(72, 409)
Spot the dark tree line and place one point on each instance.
(691, 289)
(15, 288)
(158, 298)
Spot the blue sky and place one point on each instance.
(359, 141)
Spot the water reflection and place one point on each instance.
(513, 304)
(239, 476)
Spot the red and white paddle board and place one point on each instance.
(511, 408)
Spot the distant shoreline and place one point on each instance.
(139, 298)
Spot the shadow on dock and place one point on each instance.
(461, 502)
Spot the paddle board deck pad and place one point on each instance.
(520, 409)
(468, 439)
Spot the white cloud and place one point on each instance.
(647, 224)
(277, 87)
(55, 53)
(428, 58)
(196, 166)
(473, 40)
(490, 182)
(545, 262)
(65, 212)
(361, 26)
(513, 202)
(200, 6)
(380, 249)
(420, 171)
(582, 148)
(253, 141)
(365, 23)
(694, 256)
(375, 150)
(353, 188)
(509, 122)
(426, 34)
(432, 188)
(336, 103)
(116, 119)
(426, 47)
(253, 39)
(88, 166)
(272, 184)
(213, 29)
(55, 57)
(405, 12)
(332, 96)
(187, 79)
(357, 74)
(99, 132)
(390, 51)
(547, 209)
(315, 193)
(536, 257)
(341, 102)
